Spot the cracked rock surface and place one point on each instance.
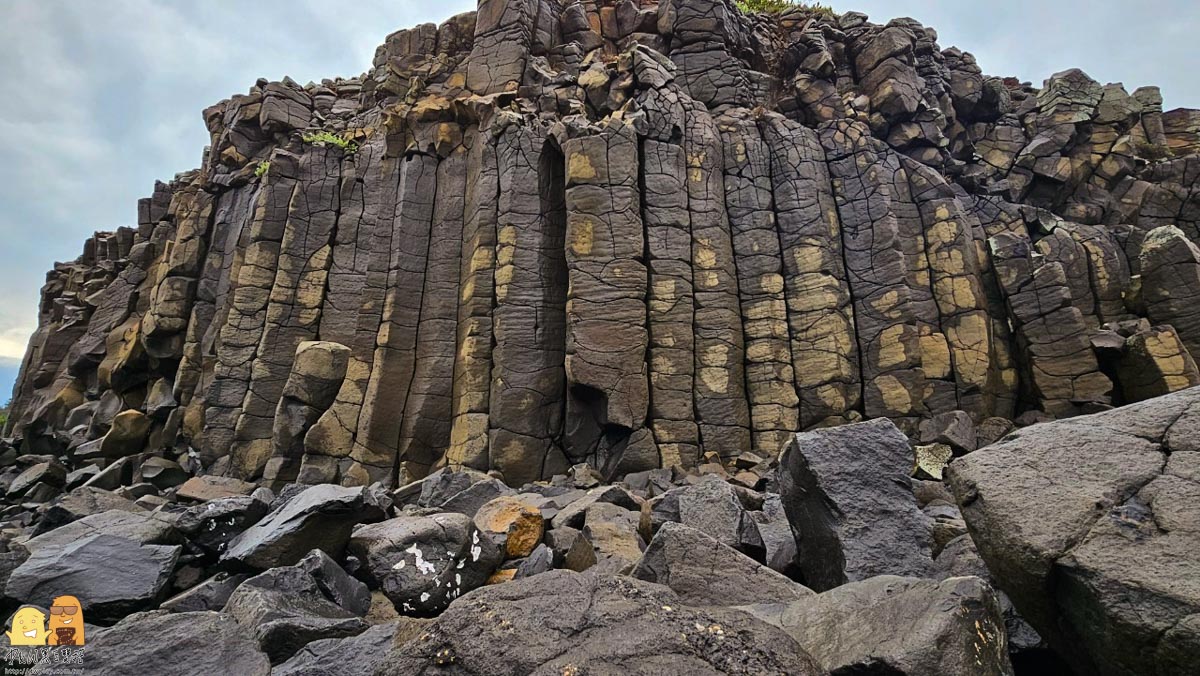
(1093, 529)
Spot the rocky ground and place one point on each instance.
(629, 336)
(1077, 543)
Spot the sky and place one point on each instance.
(102, 98)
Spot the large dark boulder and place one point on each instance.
(361, 654)
(319, 517)
(850, 501)
(422, 563)
(112, 576)
(188, 644)
(1092, 527)
(213, 524)
(705, 572)
(562, 622)
(897, 626)
(289, 607)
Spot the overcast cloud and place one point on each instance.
(102, 98)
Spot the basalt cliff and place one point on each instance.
(562, 244)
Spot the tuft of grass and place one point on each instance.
(780, 6)
(262, 168)
(1152, 152)
(325, 138)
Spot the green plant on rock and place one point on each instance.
(327, 138)
(780, 6)
(262, 168)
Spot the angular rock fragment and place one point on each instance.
(851, 506)
(899, 625)
(320, 517)
(704, 572)
(287, 608)
(114, 576)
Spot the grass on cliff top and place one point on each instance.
(780, 6)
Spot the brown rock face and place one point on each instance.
(626, 234)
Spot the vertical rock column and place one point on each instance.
(425, 433)
(820, 315)
(608, 395)
(394, 362)
(294, 310)
(528, 378)
(316, 376)
(165, 324)
(770, 379)
(670, 301)
(230, 237)
(1171, 283)
(354, 304)
(1063, 373)
(961, 347)
(476, 299)
(893, 384)
(722, 410)
(240, 337)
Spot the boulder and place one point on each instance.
(572, 513)
(952, 428)
(212, 525)
(422, 563)
(850, 502)
(160, 642)
(711, 506)
(112, 576)
(705, 572)
(1092, 527)
(50, 473)
(896, 625)
(79, 503)
(362, 654)
(140, 527)
(612, 531)
(208, 487)
(319, 517)
(163, 473)
(211, 594)
(288, 607)
(127, 435)
(565, 623)
(515, 525)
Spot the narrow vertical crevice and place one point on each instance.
(551, 330)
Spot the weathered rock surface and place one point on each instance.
(1090, 526)
(851, 506)
(897, 625)
(625, 234)
(422, 563)
(704, 572)
(568, 622)
(177, 643)
(320, 517)
(426, 319)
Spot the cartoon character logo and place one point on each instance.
(28, 627)
(66, 621)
